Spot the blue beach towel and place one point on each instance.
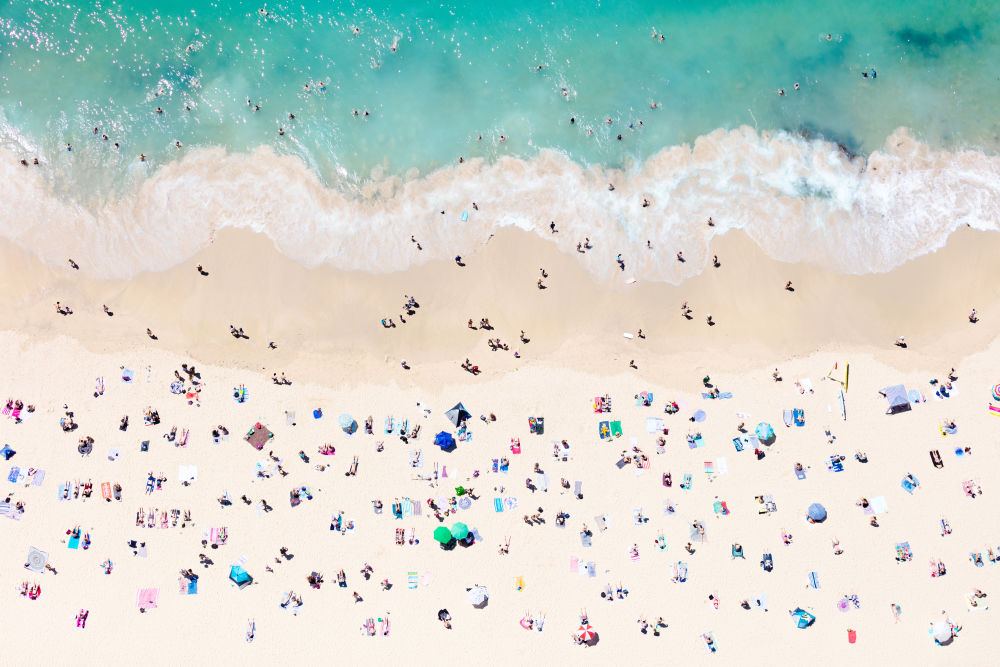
(497, 505)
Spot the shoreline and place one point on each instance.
(800, 199)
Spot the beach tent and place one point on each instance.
(240, 577)
(36, 560)
(803, 619)
(817, 512)
(457, 414)
(898, 401)
(444, 440)
(477, 596)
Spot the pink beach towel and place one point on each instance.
(147, 597)
(574, 565)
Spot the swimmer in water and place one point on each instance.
(281, 131)
(502, 138)
(796, 86)
(653, 105)
(142, 157)
(177, 143)
(104, 137)
(781, 92)
(357, 31)
(829, 37)
(159, 110)
(395, 44)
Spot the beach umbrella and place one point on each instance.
(941, 632)
(817, 512)
(442, 535)
(346, 422)
(764, 432)
(457, 414)
(699, 416)
(36, 560)
(477, 595)
(996, 392)
(444, 440)
(85, 447)
(585, 632)
(459, 531)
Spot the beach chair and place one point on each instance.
(767, 562)
(936, 458)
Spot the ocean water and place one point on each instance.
(851, 172)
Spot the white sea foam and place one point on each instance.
(798, 199)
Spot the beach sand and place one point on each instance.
(340, 359)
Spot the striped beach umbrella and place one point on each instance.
(585, 632)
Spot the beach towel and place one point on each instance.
(738, 443)
(682, 572)
(910, 483)
(127, 375)
(38, 478)
(695, 441)
(709, 468)
(497, 505)
(637, 517)
(106, 490)
(417, 511)
(799, 416)
(616, 429)
(598, 404)
(578, 489)
(604, 430)
(146, 598)
(542, 481)
(585, 540)
(510, 503)
(903, 552)
(813, 580)
(591, 569)
(654, 425)
(407, 507)
(416, 459)
(833, 463)
(722, 465)
(603, 522)
(686, 482)
(787, 417)
(14, 472)
(801, 474)
(574, 565)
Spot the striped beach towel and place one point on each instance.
(407, 507)
(416, 507)
(7, 409)
(412, 580)
(498, 505)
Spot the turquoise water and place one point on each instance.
(463, 75)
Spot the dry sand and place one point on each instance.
(331, 345)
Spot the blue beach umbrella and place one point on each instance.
(346, 422)
(765, 433)
(817, 512)
(699, 416)
(444, 440)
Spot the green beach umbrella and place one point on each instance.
(442, 535)
(459, 531)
